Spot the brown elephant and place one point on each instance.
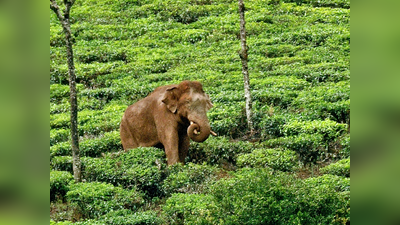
(167, 118)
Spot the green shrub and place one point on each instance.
(64, 163)
(270, 126)
(59, 181)
(95, 199)
(277, 159)
(228, 119)
(58, 91)
(328, 92)
(314, 73)
(277, 90)
(190, 178)
(345, 147)
(218, 151)
(257, 196)
(339, 168)
(190, 209)
(85, 222)
(128, 217)
(142, 167)
(92, 122)
(310, 147)
(109, 142)
(324, 3)
(329, 129)
(331, 100)
(337, 111)
(57, 136)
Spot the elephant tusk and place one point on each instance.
(194, 131)
(213, 133)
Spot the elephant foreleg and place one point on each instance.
(184, 143)
(171, 146)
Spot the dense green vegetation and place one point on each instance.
(295, 170)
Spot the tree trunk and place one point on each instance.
(64, 19)
(74, 103)
(245, 71)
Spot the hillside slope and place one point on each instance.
(299, 66)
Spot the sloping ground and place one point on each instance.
(299, 54)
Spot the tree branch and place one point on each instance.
(68, 4)
(56, 10)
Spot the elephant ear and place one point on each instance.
(171, 99)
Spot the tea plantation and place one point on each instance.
(295, 170)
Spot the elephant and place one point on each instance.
(168, 118)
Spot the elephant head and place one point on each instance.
(190, 103)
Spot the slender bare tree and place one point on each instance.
(245, 69)
(64, 18)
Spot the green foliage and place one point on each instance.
(328, 129)
(109, 142)
(277, 91)
(331, 100)
(339, 168)
(277, 159)
(60, 135)
(310, 147)
(127, 217)
(190, 209)
(345, 146)
(64, 163)
(95, 199)
(191, 178)
(91, 122)
(270, 125)
(218, 150)
(141, 167)
(299, 64)
(324, 3)
(59, 181)
(260, 197)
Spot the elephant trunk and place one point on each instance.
(199, 131)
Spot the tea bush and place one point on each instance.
(339, 168)
(277, 90)
(119, 217)
(345, 146)
(90, 121)
(128, 217)
(59, 181)
(328, 92)
(60, 135)
(142, 167)
(108, 142)
(310, 147)
(329, 129)
(218, 151)
(337, 111)
(83, 103)
(271, 124)
(256, 196)
(324, 3)
(299, 60)
(64, 163)
(191, 209)
(95, 199)
(277, 159)
(190, 178)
